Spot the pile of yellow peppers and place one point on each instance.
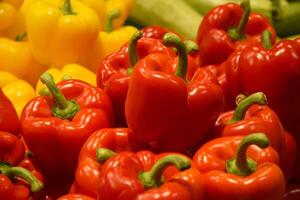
(68, 38)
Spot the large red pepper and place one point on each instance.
(88, 169)
(227, 26)
(56, 127)
(115, 71)
(125, 177)
(251, 173)
(16, 182)
(163, 107)
(274, 70)
(9, 120)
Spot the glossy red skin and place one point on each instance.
(75, 197)
(9, 120)
(12, 151)
(9, 191)
(266, 183)
(11, 148)
(161, 109)
(88, 169)
(293, 193)
(276, 72)
(215, 43)
(154, 31)
(112, 74)
(42, 131)
(120, 181)
(257, 119)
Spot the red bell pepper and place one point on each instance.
(252, 115)
(276, 71)
(115, 71)
(163, 107)
(9, 120)
(16, 182)
(225, 27)
(125, 178)
(75, 197)
(88, 169)
(56, 127)
(249, 174)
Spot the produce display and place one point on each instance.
(149, 99)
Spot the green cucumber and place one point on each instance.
(284, 16)
(176, 15)
(204, 6)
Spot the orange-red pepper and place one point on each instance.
(236, 169)
(56, 127)
(89, 168)
(164, 107)
(125, 177)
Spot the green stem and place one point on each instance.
(21, 37)
(67, 8)
(242, 107)
(153, 177)
(11, 172)
(266, 39)
(103, 154)
(172, 40)
(237, 33)
(63, 108)
(132, 50)
(112, 15)
(191, 46)
(241, 165)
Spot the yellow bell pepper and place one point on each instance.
(11, 23)
(18, 91)
(61, 32)
(74, 71)
(99, 7)
(15, 57)
(124, 6)
(110, 40)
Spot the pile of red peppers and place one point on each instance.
(170, 119)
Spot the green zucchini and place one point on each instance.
(176, 15)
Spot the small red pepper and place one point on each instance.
(15, 180)
(249, 174)
(9, 120)
(124, 178)
(164, 107)
(89, 168)
(56, 127)
(227, 26)
(252, 115)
